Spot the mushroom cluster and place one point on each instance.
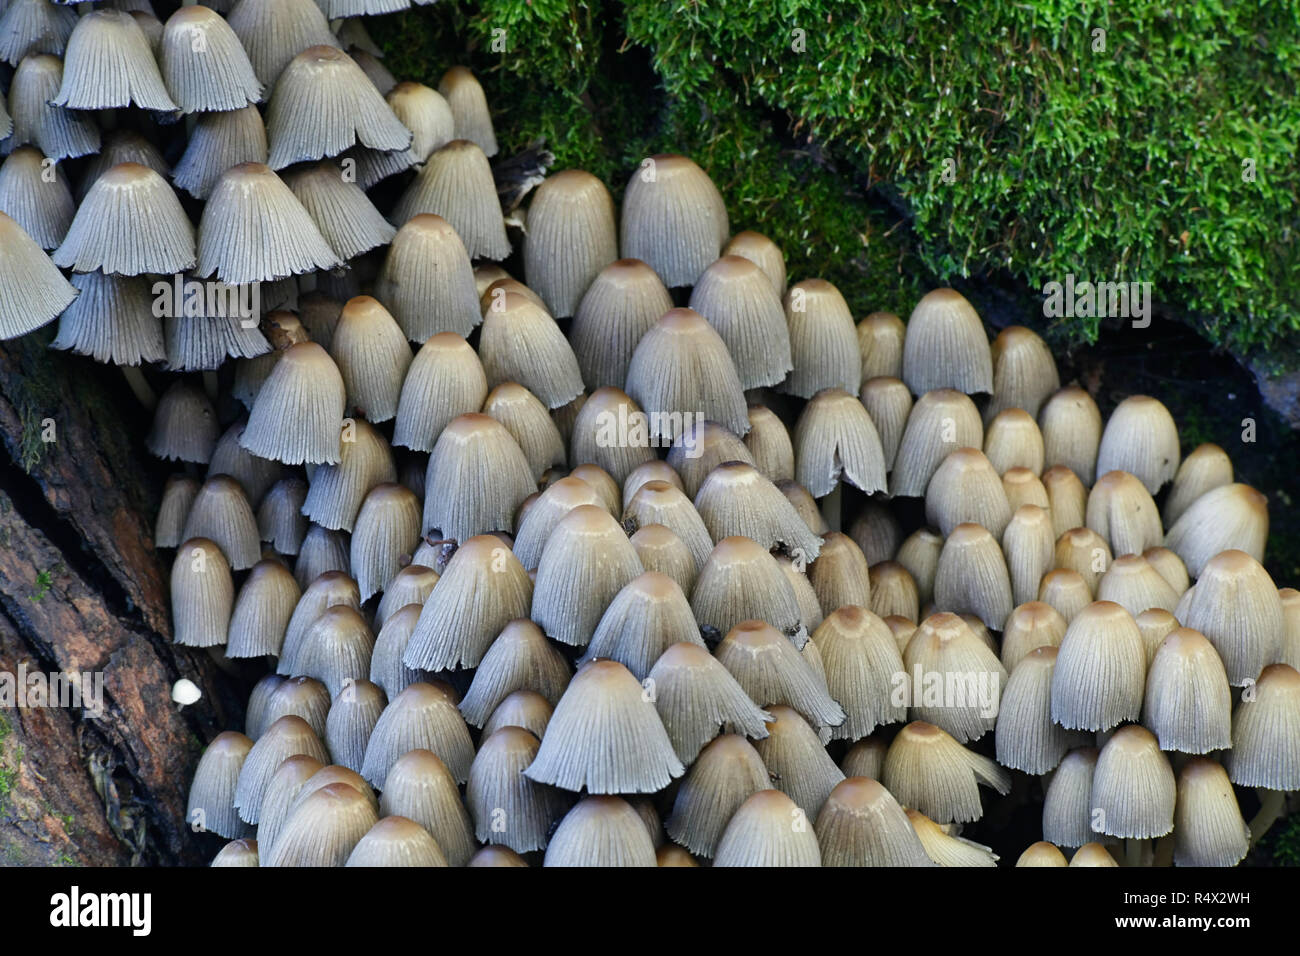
(651, 557)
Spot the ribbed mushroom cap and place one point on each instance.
(202, 594)
(236, 853)
(703, 446)
(386, 667)
(662, 550)
(1188, 703)
(861, 824)
(1086, 552)
(323, 592)
(444, 380)
(1067, 803)
(951, 678)
(287, 736)
(767, 830)
(221, 512)
(1066, 498)
(823, 340)
(218, 142)
(1206, 468)
(520, 342)
(1121, 510)
(298, 414)
(255, 475)
(658, 502)
(1071, 426)
(483, 588)
(1066, 591)
(352, 717)
(1023, 487)
(1030, 550)
(529, 421)
(796, 759)
(258, 702)
(32, 290)
(387, 531)
(1027, 739)
(612, 431)
(337, 490)
(520, 658)
(58, 133)
(476, 479)
(967, 488)
(1208, 826)
(1013, 440)
(682, 367)
(211, 804)
(695, 696)
(893, 592)
(456, 183)
(972, 576)
(1042, 853)
(524, 708)
(1024, 372)
(372, 356)
(943, 849)
(601, 831)
(34, 26)
(655, 469)
(946, 346)
(36, 196)
(1133, 786)
(674, 219)
(507, 807)
(1092, 854)
(727, 772)
(203, 64)
(926, 768)
(940, 422)
(1266, 732)
(571, 238)
(109, 64)
(497, 856)
(469, 109)
(1155, 625)
(303, 697)
(254, 229)
(764, 253)
(889, 403)
(768, 440)
(880, 343)
(736, 499)
(425, 113)
(737, 299)
(1142, 439)
(619, 306)
(741, 581)
(396, 841)
(546, 512)
(862, 662)
(1032, 624)
(1100, 671)
(178, 495)
(421, 788)
(606, 737)
(601, 481)
(282, 330)
(1235, 604)
(426, 280)
(648, 615)
(275, 31)
(1134, 584)
(211, 325)
(422, 717)
(129, 223)
(835, 440)
(1230, 517)
(347, 219)
(324, 829)
(586, 561)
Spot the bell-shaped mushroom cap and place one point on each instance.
(674, 219)
(184, 424)
(336, 491)
(211, 324)
(728, 771)
(1013, 440)
(701, 447)
(1188, 702)
(1142, 439)
(1085, 552)
(695, 696)
(298, 414)
(387, 530)
(255, 475)
(323, 592)
(482, 590)
(741, 581)
(601, 831)
(1100, 670)
(1230, 517)
(1155, 624)
(940, 422)
(1027, 739)
(372, 356)
(737, 299)
(681, 372)
(254, 229)
(768, 440)
(1133, 786)
(469, 108)
(275, 31)
(1042, 853)
(659, 502)
(736, 499)
(35, 195)
(34, 26)
(1206, 468)
(889, 403)
(203, 63)
(521, 343)
(620, 305)
(303, 697)
(120, 146)
(497, 856)
(960, 679)
(58, 133)
(946, 346)
(324, 829)
(1030, 550)
(129, 223)
(425, 113)
(836, 440)
(943, 849)
(648, 615)
(927, 769)
(421, 788)
(1134, 583)
(422, 717)
(323, 104)
(507, 807)
(966, 488)
(476, 479)
(862, 664)
(1024, 372)
(32, 291)
(571, 238)
(612, 432)
(259, 699)
(880, 343)
(386, 667)
(202, 594)
(1032, 624)
(221, 512)
(796, 759)
(823, 340)
(1024, 487)
(346, 217)
(352, 717)
(894, 592)
(972, 576)
(218, 142)
(297, 778)
(445, 379)
(262, 611)
(1208, 826)
(662, 550)
(546, 512)
(605, 736)
(768, 829)
(456, 183)
(396, 841)
(530, 422)
(861, 824)
(1092, 854)
(764, 253)
(1071, 427)
(287, 736)
(1122, 511)
(426, 280)
(524, 708)
(236, 853)
(1067, 803)
(586, 561)
(520, 658)
(1236, 605)
(1266, 732)
(109, 64)
(1066, 500)
(178, 495)
(212, 793)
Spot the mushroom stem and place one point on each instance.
(831, 507)
(1136, 852)
(135, 378)
(1164, 852)
(210, 384)
(1272, 805)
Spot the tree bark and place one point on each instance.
(83, 590)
